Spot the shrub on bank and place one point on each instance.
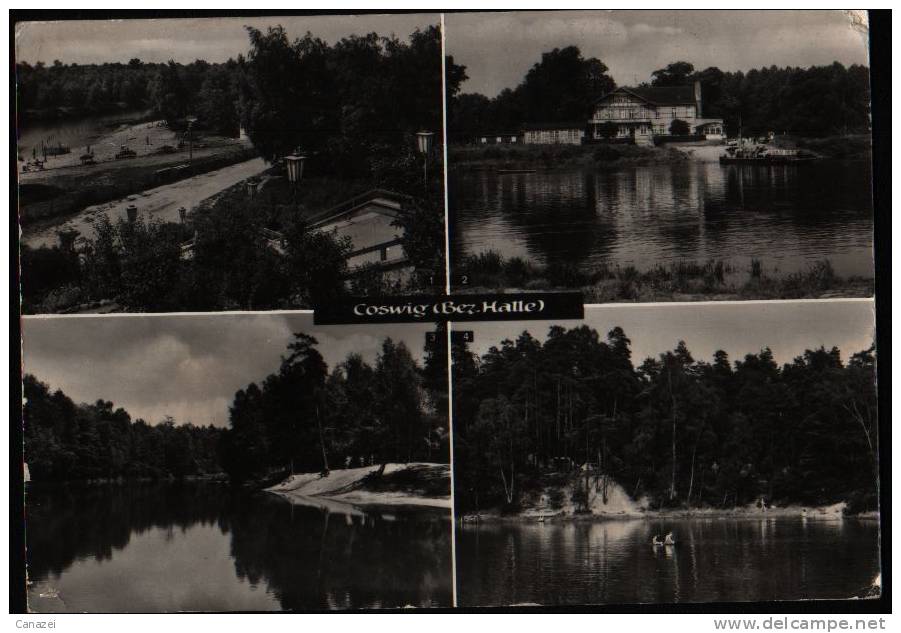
(662, 282)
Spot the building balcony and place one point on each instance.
(645, 121)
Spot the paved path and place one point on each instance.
(160, 203)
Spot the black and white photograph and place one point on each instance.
(212, 164)
(450, 310)
(660, 155)
(247, 462)
(693, 453)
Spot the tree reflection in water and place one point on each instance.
(308, 557)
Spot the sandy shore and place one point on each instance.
(833, 512)
(348, 486)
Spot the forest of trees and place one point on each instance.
(346, 103)
(679, 431)
(810, 102)
(66, 441)
(171, 91)
(305, 418)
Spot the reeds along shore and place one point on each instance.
(677, 280)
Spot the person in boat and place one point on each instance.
(656, 541)
(669, 540)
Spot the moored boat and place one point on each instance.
(763, 155)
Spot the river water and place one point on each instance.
(151, 548)
(613, 562)
(787, 216)
(75, 133)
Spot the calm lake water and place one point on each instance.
(788, 216)
(713, 560)
(149, 548)
(75, 133)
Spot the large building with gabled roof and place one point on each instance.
(644, 112)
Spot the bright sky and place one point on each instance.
(186, 366)
(787, 328)
(499, 48)
(184, 40)
(190, 366)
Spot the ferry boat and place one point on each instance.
(763, 155)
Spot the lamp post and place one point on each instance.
(190, 120)
(295, 162)
(424, 144)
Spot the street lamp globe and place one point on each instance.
(295, 162)
(424, 141)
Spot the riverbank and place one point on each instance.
(414, 484)
(833, 512)
(600, 156)
(679, 281)
(554, 503)
(65, 186)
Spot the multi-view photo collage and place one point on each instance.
(194, 194)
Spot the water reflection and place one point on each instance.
(74, 133)
(166, 548)
(713, 560)
(787, 216)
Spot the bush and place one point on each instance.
(580, 497)
(44, 269)
(756, 269)
(566, 275)
(555, 498)
(516, 270)
(679, 128)
(487, 263)
(861, 501)
(606, 153)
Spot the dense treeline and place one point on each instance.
(811, 102)
(561, 87)
(678, 431)
(347, 103)
(171, 91)
(88, 88)
(67, 441)
(305, 418)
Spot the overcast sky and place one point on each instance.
(499, 48)
(186, 366)
(788, 329)
(184, 40)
